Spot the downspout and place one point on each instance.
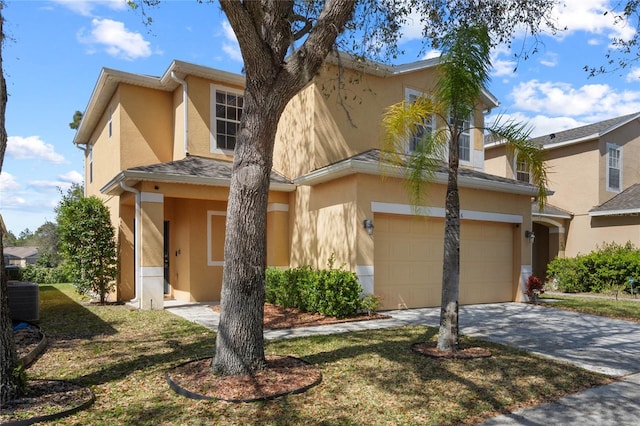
(83, 149)
(184, 111)
(137, 246)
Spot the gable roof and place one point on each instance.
(371, 162)
(550, 210)
(625, 203)
(190, 170)
(21, 252)
(109, 79)
(584, 133)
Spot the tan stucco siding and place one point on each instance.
(573, 177)
(324, 224)
(627, 137)
(588, 233)
(146, 126)
(104, 150)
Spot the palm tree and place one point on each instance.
(464, 71)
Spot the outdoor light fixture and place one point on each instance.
(530, 235)
(368, 225)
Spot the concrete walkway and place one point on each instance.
(595, 343)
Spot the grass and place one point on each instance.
(626, 309)
(369, 377)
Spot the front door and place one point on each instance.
(167, 257)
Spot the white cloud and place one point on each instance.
(86, 7)
(590, 16)
(115, 39)
(230, 46)
(433, 53)
(71, 177)
(8, 182)
(549, 60)
(32, 148)
(563, 99)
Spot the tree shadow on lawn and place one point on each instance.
(65, 318)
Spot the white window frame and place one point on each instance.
(110, 123)
(609, 166)
(214, 148)
(517, 169)
(410, 95)
(90, 163)
(467, 130)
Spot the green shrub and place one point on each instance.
(332, 292)
(607, 269)
(44, 275)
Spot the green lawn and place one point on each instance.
(627, 309)
(369, 377)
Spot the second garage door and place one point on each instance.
(408, 257)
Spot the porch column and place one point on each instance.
(152, 246)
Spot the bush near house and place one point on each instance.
(45, 275)
(332, 292)
(607, 269)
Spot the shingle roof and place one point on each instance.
(373, 159)
(199, 166)
(21, 252)
(550, 210)
(626, 202)
(578, 133)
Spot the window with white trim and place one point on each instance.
(614, 168)
(226, 111)
(90, 163)
(464, 139)
(522, 171)
(427, 125)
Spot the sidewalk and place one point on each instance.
(595, 343)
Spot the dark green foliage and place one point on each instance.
(333, 292)
(47, 275)
(606, 269)
(87, 243)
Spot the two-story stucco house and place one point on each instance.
(595, 176)
(158, 151)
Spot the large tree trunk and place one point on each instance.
(264, 32)
(448, 333)
(239, 342)
(8, 355)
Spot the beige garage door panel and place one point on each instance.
(408, 261)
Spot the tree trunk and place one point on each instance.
(239, 342)
(8, 356)
(448, 333)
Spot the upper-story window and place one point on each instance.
(614, 168)
(90, 163)
(427, 125)
(226, 111)
(110, 122)
(464, 139)
(522, 170)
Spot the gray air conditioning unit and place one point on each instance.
(24, 301)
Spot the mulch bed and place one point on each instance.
(464, 352)
(46, 400)
(283, 376)
(278, 317)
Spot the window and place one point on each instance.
(110, 122)
(226, 108)
(614, 168)
(90, 163)
(427, 124)
(522, 171)
(464, 139)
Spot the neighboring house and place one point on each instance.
(158, 150)
(595, 176)
(21, 256)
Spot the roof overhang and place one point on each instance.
(132, 178)
(621, 212)
(353, 166)
(109, 79)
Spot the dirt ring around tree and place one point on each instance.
(430, 349)
(284, 375)
(31, 342)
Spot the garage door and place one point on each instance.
(408, 257)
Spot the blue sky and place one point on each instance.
(57, 48)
